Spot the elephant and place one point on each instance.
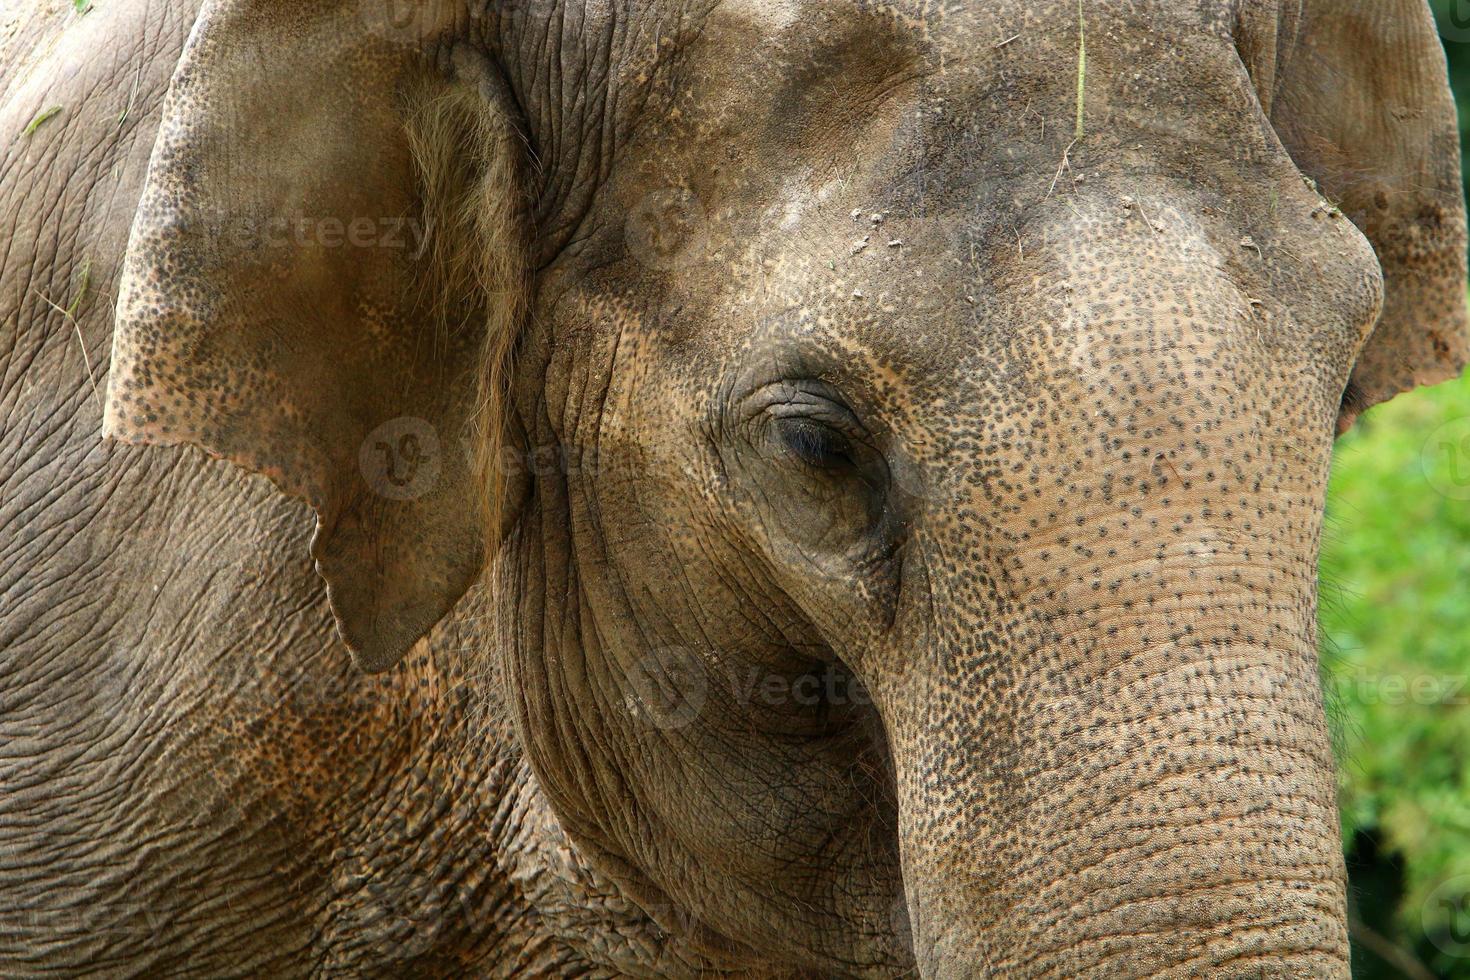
(803, 488)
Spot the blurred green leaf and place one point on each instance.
(1395, 615)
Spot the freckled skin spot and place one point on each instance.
(1005, 436)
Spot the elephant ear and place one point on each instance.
(290, 303)
(1361, 100)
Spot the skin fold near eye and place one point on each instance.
(812, 423)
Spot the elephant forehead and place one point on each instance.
(955, 17)
(1009, 46)
(952, 104)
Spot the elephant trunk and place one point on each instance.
(1124, 787)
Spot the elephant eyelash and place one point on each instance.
(816, 444)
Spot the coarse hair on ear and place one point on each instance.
(471, 161)
(324, 284)
(1358, 92)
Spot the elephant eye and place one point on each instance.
(816, 471)
(815, 444)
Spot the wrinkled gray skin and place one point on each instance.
(934, 595)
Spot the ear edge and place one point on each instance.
(377, 635)
(1382, 141)
(379, 631)
(1422, 336)
(379, 617)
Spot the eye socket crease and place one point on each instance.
(815, 443)
(808, 474)
(810, 423)
(820, 442)
(806, 398)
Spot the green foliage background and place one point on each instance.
(1396, 656)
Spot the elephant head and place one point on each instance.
(898, 430)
